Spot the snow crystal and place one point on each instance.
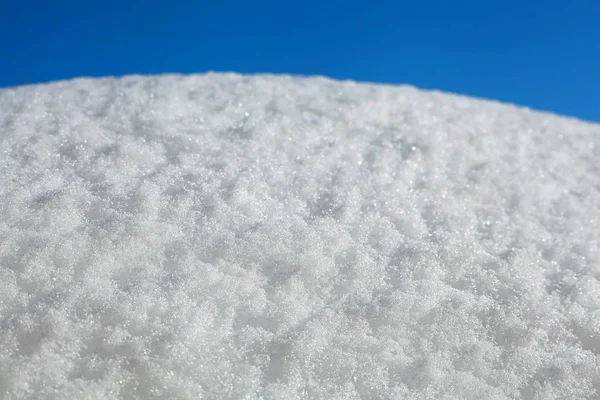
(226, 236)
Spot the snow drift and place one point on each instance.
(225, 236)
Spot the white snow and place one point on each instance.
(226, 236)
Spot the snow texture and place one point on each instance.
(235, 237)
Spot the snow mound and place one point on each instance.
(226, 236)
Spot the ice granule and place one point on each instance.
(226, 236)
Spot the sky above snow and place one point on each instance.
(540, 54)
(230, 236)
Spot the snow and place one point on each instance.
(272, 237)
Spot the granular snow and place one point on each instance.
(237, 237)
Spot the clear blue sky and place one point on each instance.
(542, 54)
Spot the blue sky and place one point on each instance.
(541, 54)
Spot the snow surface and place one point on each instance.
(226, 236)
